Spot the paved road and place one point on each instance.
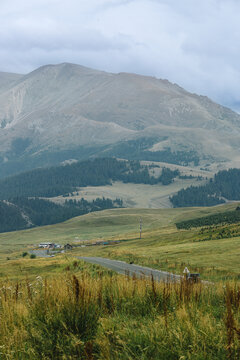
(130, 269)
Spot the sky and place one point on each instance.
(192, 43)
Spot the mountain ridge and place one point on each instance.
(66, 106)
(8, 79)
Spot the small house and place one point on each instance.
(46, 245)
(68, 247)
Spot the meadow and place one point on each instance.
(63, 308)
(136, 195)
(90, 313)
(162, 246)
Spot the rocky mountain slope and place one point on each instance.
(7, 80)
(70, 110)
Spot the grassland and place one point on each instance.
(143, 195)
(162, 246)
(87, 313)
(63, 308)
(134, 195)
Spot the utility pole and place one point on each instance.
(140, 228)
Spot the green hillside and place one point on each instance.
(22, 213)
(162, 245)
(60, 307)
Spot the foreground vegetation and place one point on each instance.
(62, 308)
(87, 313)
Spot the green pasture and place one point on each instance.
(162, 246)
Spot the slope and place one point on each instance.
(225, 186)
(8, 80)
(60, 108)
(162, 245)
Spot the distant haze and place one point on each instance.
(192, 43)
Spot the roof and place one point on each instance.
(46, 243)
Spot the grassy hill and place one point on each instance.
(162, 246)
(62, 308)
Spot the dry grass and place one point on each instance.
(133, 195)
(94, 315)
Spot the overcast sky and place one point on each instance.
(192, 43)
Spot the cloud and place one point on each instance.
(194, 44)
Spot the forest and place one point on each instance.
(228, 217)
(139, 150)
(224, 185)
(21, 206)
(60, 180)
(21, 213)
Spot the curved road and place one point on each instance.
(124, 268)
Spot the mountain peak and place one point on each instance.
(63, 106)
(63, 67)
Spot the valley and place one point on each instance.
(143, 195)
(51, 195)
(133, 195)
(162, 246)
(61, 304)
(119, 180)
(88, 160)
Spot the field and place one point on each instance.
(134, 195)
(142, 195)
(63, 308)
(162, 246)
(86, 313)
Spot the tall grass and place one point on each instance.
(115, 317)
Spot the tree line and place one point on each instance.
(227, 217)
(138, 150)
(21, 213)
(224, 185)
(60, 180)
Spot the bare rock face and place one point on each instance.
(60, 107)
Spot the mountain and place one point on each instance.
(7, 80)
(66, 111)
